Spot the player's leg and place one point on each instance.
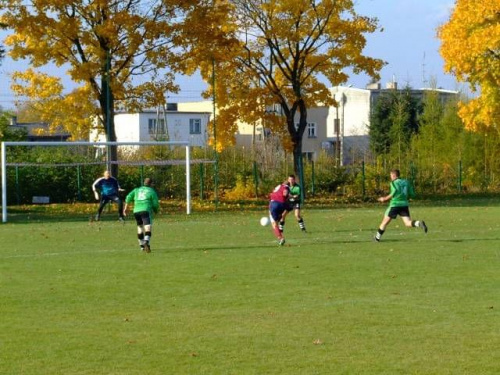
(299, 218)
(414, 223)
(119, 202)
(281, 223)
(276, 211)
(388, 216)
(102, 204)
(140, 229)
(146, 219)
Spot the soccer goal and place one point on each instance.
(130, 158)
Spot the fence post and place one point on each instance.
(18, 195)
(202, 181)
(363, 188)
(312, 178)
(460, 176)
(255, 179)
(78, 183)
(142, 175)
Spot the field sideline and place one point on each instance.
(218, 296)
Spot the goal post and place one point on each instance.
(4, 164)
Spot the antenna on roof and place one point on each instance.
(424, 79)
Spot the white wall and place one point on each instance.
(353, 111)
(126, 127)
(135, 127)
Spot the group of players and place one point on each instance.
(285, 198)
(145, 202)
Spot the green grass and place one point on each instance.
(218, 296)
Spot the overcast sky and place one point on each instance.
(408, 44)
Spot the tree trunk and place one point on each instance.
(296, 134)
(106, 99)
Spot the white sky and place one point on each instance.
(408, 44)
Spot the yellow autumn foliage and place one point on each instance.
(471, 51)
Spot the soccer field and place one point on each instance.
(217, 295)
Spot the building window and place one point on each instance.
(156, 127)
(311, 130)
(194, 126)
(308, 156)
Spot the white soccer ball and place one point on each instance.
(264, 221)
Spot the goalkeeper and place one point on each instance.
(109, 188)
(145, 202)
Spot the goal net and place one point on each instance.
(61, 172)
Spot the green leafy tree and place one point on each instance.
(392, 123)
(8, 134)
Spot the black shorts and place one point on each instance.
(142, 218)
(293, 205)
(393, 212)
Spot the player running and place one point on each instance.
(401, 191)
(109, 188)
(145, 202)
(277, 205)
(293, 203)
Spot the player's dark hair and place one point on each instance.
(148, 181)
(396, 172)
(291, 176)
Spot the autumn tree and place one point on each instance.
(471, 51)
(46, 102)
(119, 51)
(275, 70)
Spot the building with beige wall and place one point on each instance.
(341, 131)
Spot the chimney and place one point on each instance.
(13, 121)
(374, 86)
(392, 85)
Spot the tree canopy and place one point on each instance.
(283, 54)
(471, 51)
(122, 51)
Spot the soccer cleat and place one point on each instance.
(142, 247)
(147, 249)
(376, 239)
(424, 227)
(303, 230)
(281, 242)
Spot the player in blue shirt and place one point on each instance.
(109, 188)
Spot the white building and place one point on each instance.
(150, 125)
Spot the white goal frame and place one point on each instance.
(69, 144)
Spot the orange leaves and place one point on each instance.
(32, 84)
(277, 54)
(470, 48)
(71, 112)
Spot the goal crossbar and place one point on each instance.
(81, 143)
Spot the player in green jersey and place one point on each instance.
(293, 203)
(401, 191)
(145, 202)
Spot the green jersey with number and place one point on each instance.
(144, 198)
(294, 193)
(401, 191)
